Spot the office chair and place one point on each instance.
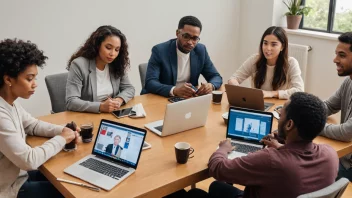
(335, 190)
(56, 85)
(142, 73)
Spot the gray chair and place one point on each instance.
(56, 85)
(335, 190)
(142, 73)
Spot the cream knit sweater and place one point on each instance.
(16, 157)
(293, 84)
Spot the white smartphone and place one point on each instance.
(146, 145)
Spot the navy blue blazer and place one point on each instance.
(110, 147)
(162, 68)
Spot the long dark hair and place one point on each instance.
(90, 49)
(280, 77)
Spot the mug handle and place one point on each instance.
(191, 150)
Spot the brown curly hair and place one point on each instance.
(90, 49)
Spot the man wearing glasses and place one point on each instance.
(175, 66)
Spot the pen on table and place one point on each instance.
(277, 111)
(79, 184)
(107, 98)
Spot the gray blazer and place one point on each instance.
(81, 87)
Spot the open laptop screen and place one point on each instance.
(248, 125)
(119, 142)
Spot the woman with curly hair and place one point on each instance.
(272, 70)
(18, 69)
(97, 79)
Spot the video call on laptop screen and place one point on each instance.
(119, 143)
(248, 125)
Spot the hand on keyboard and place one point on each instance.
(226, 145)
(271, 141)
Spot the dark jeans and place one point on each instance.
(216, 190)
(343, 172)
(38, 186)
(223, 190)
(193, 193)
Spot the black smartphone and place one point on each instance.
(122, 112)
(195, 89)
(175, 99)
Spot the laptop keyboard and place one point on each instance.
(244, 148)
(267, 106)
(160, 128)
(103, 168)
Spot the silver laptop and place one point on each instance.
(115, 155)
(246, 97)
(245, 128)
(183, 115)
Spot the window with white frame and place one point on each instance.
(333, 16)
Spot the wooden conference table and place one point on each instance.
(157, 174)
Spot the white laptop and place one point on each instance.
(246, 97)
(245, 128)
(111, 160)
(183, 115)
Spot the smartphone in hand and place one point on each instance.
(195, 89)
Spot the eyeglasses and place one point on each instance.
(187, 37)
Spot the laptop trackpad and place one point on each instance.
(235, 154)
(267, 106)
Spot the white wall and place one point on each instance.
(231, 31)
(60, 27)
(255, 18)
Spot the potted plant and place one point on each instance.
(295, 12)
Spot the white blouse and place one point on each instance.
(104, 86)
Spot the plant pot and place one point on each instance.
(293, 21)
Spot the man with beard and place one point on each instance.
(175, 66)
(341, 100)
(288, 169)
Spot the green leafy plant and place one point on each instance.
(295, 7)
